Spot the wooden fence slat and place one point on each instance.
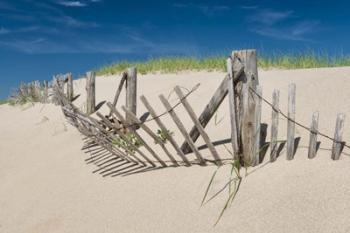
(213, 104)
(106, 121)
(131, 92)
(163, 128)
(182, 129)
(233, 113)
(70, 92)
(200, 128)
(274, 125)
(291, 123)
(313, 135)
(150, 133)
(150, 150)
(46, 91)
(90, 93)
(338, 136)
(119, 90)
(257, 124)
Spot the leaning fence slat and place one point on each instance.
(106, 121)
(233, 116)
(119, 90)
(163, 128)
(291, 121)
(213, 104)
(274, 125)
(90, 92)
(182, 129)
(257, 130)
(150, 133)
(313, 136)
(131, 92)
(338, 136)
(200, 128)
(150, 150)
(70, 87)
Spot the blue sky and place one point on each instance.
(41, 38)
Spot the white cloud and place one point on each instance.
(72, 3)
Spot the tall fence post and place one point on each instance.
(247, 104)
(70, 87)
(131, 92)
(274, 125)
(46, 91)
(291, 123)
(90, 92)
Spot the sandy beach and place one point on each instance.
(46, 186)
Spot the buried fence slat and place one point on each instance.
(131, 92)
(106, 121)
(200, 128)
(338, 136)
(291, 121)
(313, 136)
(233, 116)
(213, 104)
(122, 119)
(163, 128)
(90, 93)
(119, 90)
(257, 123)
(70, 87)
(150, 133)
(274, 125)
(182, 129)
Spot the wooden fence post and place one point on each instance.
(313, 136)
(338, 136)
(46, 91)
(247, 104)
(274, 125)
(131, 92)
(291, 123)
(233, 112)
(70, 92)
(90, 92)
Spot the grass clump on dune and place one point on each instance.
(4, 102)
(177, 64)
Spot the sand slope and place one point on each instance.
(45, 185)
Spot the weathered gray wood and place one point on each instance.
(70, 87)
(163, 128)
(131, 92)
(119, 90)
(291, 121)
(182, 129)
(90, 92)
(274, 125)
(150, 133)
(233, 116)
(150, 150)
(109, 124)
(313, 136)
(338, 136)
(248, 127)
(196, 122)
(257, 124)
(213, 104)
(247, 104)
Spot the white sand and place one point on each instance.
(45, 185)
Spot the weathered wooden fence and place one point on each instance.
(117, 146)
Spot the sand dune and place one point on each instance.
(45, 185)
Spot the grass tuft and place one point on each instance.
(177, 64)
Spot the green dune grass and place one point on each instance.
(3, 102)
(218, 63)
